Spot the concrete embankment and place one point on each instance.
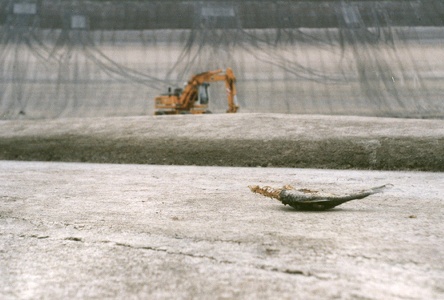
(302, 141)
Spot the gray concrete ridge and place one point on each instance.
(97, 231)
(309, 141)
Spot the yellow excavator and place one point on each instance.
(194, 98)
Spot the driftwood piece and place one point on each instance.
(305, 199)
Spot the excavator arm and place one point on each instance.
(190, 92)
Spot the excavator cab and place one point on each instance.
(178, 92)
(203, 96)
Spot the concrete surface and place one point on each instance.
(247, 140)
(97, 231)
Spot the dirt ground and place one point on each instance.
(74, 229)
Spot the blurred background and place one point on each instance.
(66, 58)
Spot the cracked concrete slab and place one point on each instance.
(80, 230)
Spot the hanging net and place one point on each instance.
(66, 58)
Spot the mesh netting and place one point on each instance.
(111, 58)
